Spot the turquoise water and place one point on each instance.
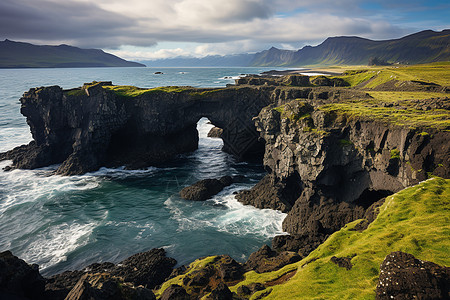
(65, 223)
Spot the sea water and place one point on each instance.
(65, 223)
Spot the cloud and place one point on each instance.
(217, 26)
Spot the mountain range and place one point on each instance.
(422, 47)
(26, 55)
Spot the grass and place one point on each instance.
(371, 77)
(415, 220)
(132, 91)
(194, 266)
(396, 115)
(395, 154)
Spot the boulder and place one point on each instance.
(267, 260)
(103, 286)
(215, 132)
(205, 189)
(149, 268)
(175, 292)
(402, 276)
(221, 292)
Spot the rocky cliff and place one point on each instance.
(327, 165)
(104, 125)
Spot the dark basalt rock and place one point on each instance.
(402, 276)
(267, 260)
(84, 129)
(149, 268)
(302, 244)
(19, 280)
(247, 290)
(175, 292)
(205, 189)
(104, 287)
(343, 262)
(266, 194)
(221, 292)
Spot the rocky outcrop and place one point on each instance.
(205, 189)
(175, 292)
(266, 194)
(94, 126)
(130, 278)
(339, 166)
(267, 260)
(402, 276)
(19, 280)
(104, 286)
(215, 132)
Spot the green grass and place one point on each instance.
(400, 116)
(400, 96)
(371, 77)
(415, 220)
(132, 91)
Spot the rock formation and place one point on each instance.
(94, 126)
(205, 189)
(402, 276)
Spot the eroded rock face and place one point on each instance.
(402, 276)
(90, 127)
(339, 166)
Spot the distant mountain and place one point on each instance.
(238, 60)
(422, 47)
(25, 55)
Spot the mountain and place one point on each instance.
(25, 55)
(237, 60)
(422, 47)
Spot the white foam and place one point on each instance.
(12, 137)
(245, 219)
(52, 246)
(28, 185)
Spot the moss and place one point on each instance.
(405, 115)
(194, 266)
(344, 142)
(75, 92)
(414, 220)
(395, 154)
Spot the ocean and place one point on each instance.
(66, 223)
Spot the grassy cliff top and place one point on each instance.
(372, 77)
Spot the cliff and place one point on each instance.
(105, 125)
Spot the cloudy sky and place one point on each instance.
(150, 29)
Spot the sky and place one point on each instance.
(154, 29)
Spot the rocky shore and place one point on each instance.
(333, 155)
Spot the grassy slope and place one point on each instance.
(438, 73)
(415, 220)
